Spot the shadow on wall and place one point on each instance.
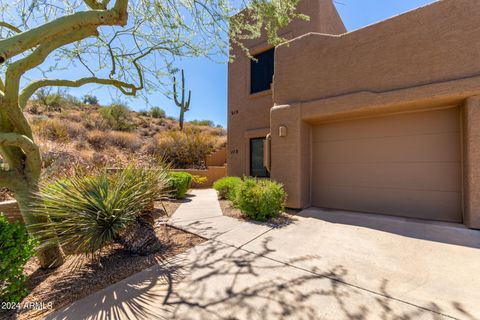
(223, 282)
(444, 232)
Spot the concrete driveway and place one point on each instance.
(324, 265)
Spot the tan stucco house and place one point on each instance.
(385, 119)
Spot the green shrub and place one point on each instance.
(157, 112)
(90, 212)
(117, 116)
(180, 182)
(53, 101)
(16, 247)
(260, 199)
(227, 187)
(90, 99)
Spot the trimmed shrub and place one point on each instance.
(227, 187)
(90, 212)
(260, 199)
(16, 247)
(157, 112)
(180, 182)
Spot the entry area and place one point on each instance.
(405, 165)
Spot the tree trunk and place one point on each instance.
(49, 256)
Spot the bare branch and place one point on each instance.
(61, 27)
(18, 68)
(29, 90)
(9, 26)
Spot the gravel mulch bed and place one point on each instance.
(80, 276)
(284, 219)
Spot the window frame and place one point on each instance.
(251, 73)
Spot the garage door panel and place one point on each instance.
(390, 149)
(398, 202)
(418, 123)
(404, 164)
(441, 176)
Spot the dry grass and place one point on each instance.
(187, 148)
(79, 136)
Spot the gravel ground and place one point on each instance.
(80, 276)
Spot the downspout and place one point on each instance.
(267, 152)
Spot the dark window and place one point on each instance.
(261, 71)
(257, 168)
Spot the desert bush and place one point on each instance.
(90, 212)
(180, 182)
(76, 131)
(52, 101)
(144, 113)
(97, 139)
(51, 129)
(207, 123)
(227, 187)
(72, 116)
(260, 199)
(183, 149)
(16, 247)
(95, 121)
(123, 140)
(71, 100)
(117, 116)
(90, 99)
(157, 112)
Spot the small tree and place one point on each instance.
(90, 99)
(183, 104)
(126, 44)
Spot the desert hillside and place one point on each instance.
(73, 134)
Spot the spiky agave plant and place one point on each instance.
(87, 213)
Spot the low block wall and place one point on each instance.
(11, 211)
(212, 173)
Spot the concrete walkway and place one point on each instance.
(324, 265)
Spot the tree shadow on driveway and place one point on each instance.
(218, 281)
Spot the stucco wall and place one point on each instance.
(212, 174)
(424, 59)
(249, 114)
(434, 43)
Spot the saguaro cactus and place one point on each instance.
(182, 104)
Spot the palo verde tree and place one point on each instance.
(126, 44)
(183, 104)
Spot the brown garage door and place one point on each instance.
(404, 165)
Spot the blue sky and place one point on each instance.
(208, 79)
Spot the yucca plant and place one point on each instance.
(87, 213)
